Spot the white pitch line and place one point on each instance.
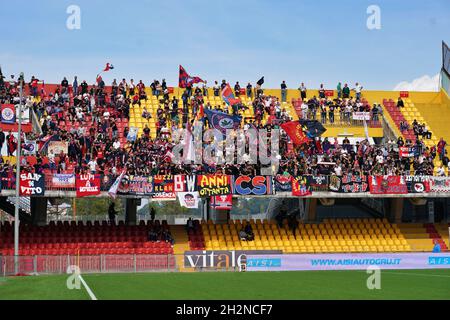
(417, 274)
(89, 291)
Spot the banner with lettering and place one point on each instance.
(361, 116)
(318, 183)
(185, 183)
(63, 181)
(87, 185)
(301, 186)
(213, 185)
(388, 185)
(163, 187)
(253, 185)
(32, 184)
(439, 184)
(418, 184)
(283, 182)
(350, 183)
(406, 152)
(136, 185)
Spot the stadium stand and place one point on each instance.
(332, 235)
(86, 239)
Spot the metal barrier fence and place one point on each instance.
(58, 264)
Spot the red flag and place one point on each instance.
(108, 67)
(200, 113)
(185, 79)
(295, 132)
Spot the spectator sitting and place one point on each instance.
(152, 235)
(145, 114)
(249, 231)
(400, 103)
(190, 224)
(437, 247)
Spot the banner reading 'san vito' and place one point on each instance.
(32, 184)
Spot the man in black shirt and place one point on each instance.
(64, 83)
(283, 91)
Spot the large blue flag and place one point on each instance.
(222, 121)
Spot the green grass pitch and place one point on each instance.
(395, 284)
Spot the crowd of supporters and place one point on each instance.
(95, 144)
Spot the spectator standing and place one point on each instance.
(249, 91)
(358, 90)
(302, 90)
(75, 86)
(345, 92)
(283, 91)
(339, 90)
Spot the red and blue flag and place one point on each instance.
(228, 96)
(185, 79)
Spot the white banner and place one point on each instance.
(439, 184)
(357, 261)
(132, 134)
(361, 116)
(188, 199)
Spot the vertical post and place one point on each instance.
(74, 209)
(134, 261)
(16, 211)
(35, 264)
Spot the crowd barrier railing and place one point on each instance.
(61, 264)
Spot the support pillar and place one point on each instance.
(397, 209)
(131, 211)
(38, 206)
(312, 209)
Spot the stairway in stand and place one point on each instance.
(181, 245)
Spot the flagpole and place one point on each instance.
(16, 209)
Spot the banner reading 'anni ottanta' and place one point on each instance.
(213, 185)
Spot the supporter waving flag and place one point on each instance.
(228, 96)
(108, 67)
(115, 186)
(185, 79)
(295, 131)
(312, 128)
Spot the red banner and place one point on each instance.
(404, 94)
(224, 202)
(301, 186)
(329, 93)
(87, 185)
(295, 131)
(388, 185)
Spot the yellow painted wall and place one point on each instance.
(371, 95)
(356, 132)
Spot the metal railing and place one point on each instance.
(59, 264)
